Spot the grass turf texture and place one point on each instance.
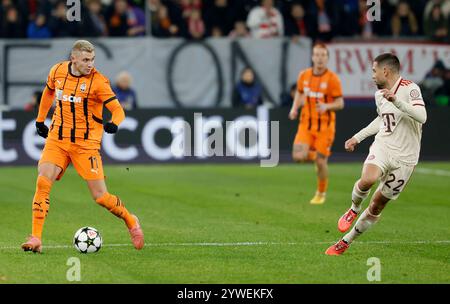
(181, 207)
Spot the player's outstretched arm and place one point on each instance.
(299, 101)
(118, 115)
(45, 104)
(370, 130)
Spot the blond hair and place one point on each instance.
(83, 46)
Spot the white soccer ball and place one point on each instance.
(87, 240)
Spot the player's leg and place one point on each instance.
(47, 174)
(368, 218)
(88, 164)
(375, 164)
(361, 189)
(390, 187)
(111, 202)
(115, 205)
(322, 142)
(51, 166)
(301, 151)
(322, 179)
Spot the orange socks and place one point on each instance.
(116, 207)
(322, 185)
(41, 204)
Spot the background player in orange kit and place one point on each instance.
(80, 92)
(319, 92)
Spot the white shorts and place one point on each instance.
(396, 174)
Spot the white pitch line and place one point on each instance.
(245, 244)
(437, 172)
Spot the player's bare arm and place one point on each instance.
(336, 105)
(299, 101)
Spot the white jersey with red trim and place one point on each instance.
(399, 134)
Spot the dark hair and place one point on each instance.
(389, 59)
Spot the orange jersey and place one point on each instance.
(318, 88)
(79, 104)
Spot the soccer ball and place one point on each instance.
(87, 240)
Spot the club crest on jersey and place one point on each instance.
(83, 87)
(323, 85)
(415, 94)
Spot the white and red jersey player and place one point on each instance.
(398, 129)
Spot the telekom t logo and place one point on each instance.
(374, 12)
(74, 10)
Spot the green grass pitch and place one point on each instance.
(227, 224)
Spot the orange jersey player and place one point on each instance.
(319, 93)
(75, 134)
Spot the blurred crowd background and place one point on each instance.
(319, 20)
(196, 19)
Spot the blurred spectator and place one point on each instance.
(160, 21)
(247, 93)
(433, 81)
(58, 23)
(136, 21)
(404, 23)
(38, 28)
(220, 15)
(444, 4)
(296, 24)
(125, 94)
(324, 21)
(11, 23)
(196, 25)
(436, 25)
(117, 18)
(287, 98)
(33, 105)
(239, 31)
(265, 21)
(187, 6)
(93, 24)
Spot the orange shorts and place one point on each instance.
(87, 161)
(320, 141)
